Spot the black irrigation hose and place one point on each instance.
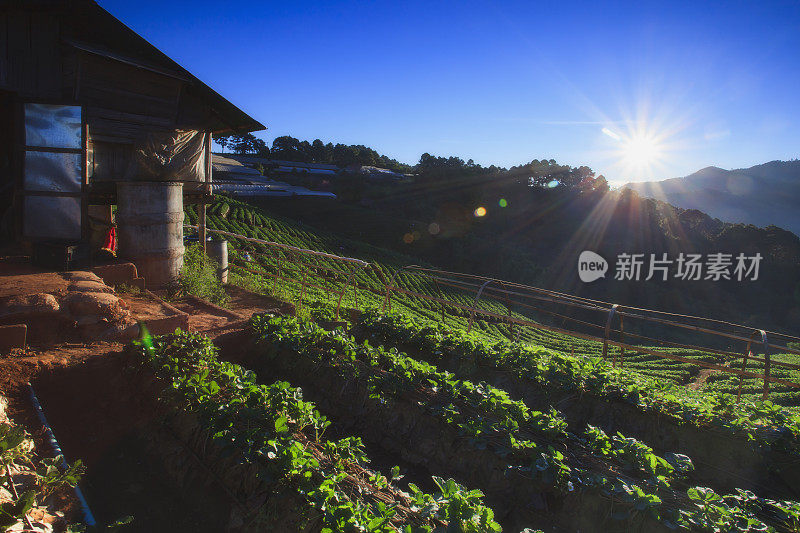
(88, 517)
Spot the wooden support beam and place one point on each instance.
(201, 208)
(201, 222)
(86, 231)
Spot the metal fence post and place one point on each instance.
(303, 282)
(389, 288)
(355, 286)
(344, 289)
(475, 303)
(747, 353)
(607, 331)
(278, 269)
(516, 332)
(622, 342)
(767, 365)
(441, 308)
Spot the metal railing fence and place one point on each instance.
(590, 319)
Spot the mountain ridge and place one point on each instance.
(763, 195)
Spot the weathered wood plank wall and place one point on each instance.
(46, 57)
(29, 54)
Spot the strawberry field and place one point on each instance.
(266, 445)
(325, 279)
(535, 424)
(535, 466)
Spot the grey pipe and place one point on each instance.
(88, 517)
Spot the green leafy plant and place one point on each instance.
(15, 449)
(484, 414)
(105, 528)
(12, 512)
(199, 276)
(51, 476)
(272, 429)
(766, 422)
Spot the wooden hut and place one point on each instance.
(85, 103)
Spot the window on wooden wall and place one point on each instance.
(53, 159)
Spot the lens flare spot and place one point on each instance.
(611, 134)
(502, 202)
(408, 238)
(480, 212)
(433, 228)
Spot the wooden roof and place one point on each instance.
(91, 29)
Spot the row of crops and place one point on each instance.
(232, 216)
(528, 461)
(270, 454)
(326, 279)
(778, 392)
(592, 377)
(645, 364)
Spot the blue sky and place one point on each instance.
(703, 83)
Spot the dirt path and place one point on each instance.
(208, 318)
(22, 366)
(94, 412)
(703, 376)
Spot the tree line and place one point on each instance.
(288, 148)
(543, 174)
(538, 174)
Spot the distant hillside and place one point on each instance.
(530, 223)
(763, 195)
(534, 236)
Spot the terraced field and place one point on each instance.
(540, 373)
(779, 393)
(266, 444)
(320, 295)
(537, 466)
(236, 217)
(505, 427)
(494, 463)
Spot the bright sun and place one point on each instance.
(640, 151)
